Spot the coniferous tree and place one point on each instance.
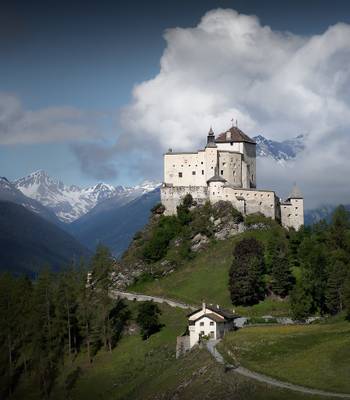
(246, 282)
(148, 319)
(8, 327)
(278, 267)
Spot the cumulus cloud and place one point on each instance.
(277, 84)
(52, 124)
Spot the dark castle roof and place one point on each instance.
(235, 135)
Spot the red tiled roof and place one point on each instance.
(235, 135)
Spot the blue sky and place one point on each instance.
(88, 57)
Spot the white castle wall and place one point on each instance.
(292, 213)
(235, 162)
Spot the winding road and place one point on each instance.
(211, 346)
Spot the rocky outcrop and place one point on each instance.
(194, 232)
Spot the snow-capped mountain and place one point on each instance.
(72, 202)
(9, 192)
(279, 151)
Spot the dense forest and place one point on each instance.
(47, 323)
(312, 266)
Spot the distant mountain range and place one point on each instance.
(69, 203)
(279, 151)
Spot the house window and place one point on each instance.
(202, 171)
(202, 333)
(201, 323)
(211, 323)
(180, 174)
(212, 334)
(193, 172)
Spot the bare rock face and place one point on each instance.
(199, 242)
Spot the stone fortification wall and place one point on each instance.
(245, 200)
(292, 213)
(171, 196)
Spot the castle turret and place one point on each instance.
(211, 138)
(292, 209)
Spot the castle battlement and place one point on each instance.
(226, 170)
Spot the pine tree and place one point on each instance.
(148, 319)
(8, 326)
(335, 287)
(277, 262)
(246, 282)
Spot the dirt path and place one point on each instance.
(211, 345)
(144, 297)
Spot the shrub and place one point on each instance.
(259, 219)
(156, 248)
(148, 319)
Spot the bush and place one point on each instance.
(259, 219)
(148, 319)
(156, 248)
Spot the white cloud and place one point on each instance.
(52, 124)
(275, 83)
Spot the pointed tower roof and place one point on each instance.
(295, 193)
(211, 138)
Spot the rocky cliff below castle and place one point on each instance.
(167, 242)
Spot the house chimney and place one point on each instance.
(203, 305)
(217, 306)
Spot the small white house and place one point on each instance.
(209, 321)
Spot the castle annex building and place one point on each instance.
(226, 170)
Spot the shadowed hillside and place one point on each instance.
(28, 242)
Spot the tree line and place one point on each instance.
(46, 323)
(311, 266)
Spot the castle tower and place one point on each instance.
(234, 141)
(292, 209)
(211, 138)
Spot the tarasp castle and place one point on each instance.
(226, 170)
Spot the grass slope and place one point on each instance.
(206, 277)
(316, 356)
(145, 370)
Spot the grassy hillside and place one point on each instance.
(206, 277)
(28, 242)
(316, 356)
(145, 370)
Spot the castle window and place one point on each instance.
(180, 174)
(213, 193)
(296, 208)
(202, 162)
(202, 171)
(231, 143)
(212, 167)
(296, 215)
(193, 172)
(223, 163)
(222, 172)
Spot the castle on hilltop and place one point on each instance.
(226, 170)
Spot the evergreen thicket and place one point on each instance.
(312, 266)
(46, 323)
